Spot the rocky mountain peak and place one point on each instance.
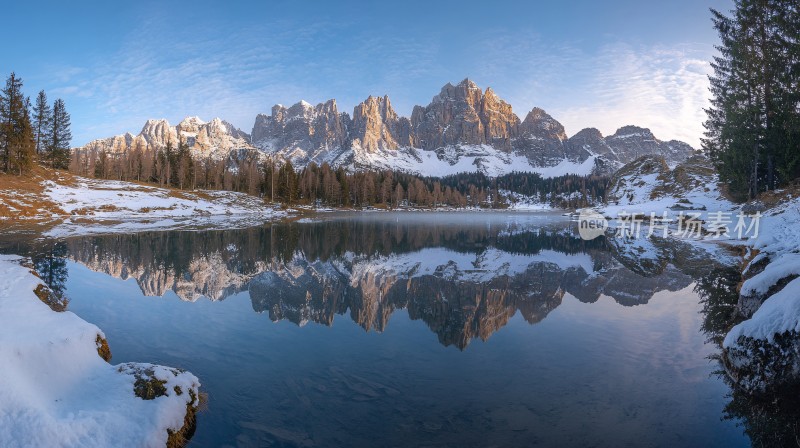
(328, 107)
(631, 142)
(540, 124)
(376, 126)
(465, 91)
(541, 140)
(193, 121)
(157, 132)
(464, 115)
(633, 132)
(468, 84)
(302, 132)
(588, 134)
(300, 109)
(216, 138)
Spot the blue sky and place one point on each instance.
(588, 63)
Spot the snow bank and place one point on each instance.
(778, 232)
(55, 390)
(778, 314)
(782, 267)
(763, 352)
(778, 241)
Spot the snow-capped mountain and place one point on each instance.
(463, 129)
(303, 133)
(215, 139)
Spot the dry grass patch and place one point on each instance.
(102, 348)
(23, 196)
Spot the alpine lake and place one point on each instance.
(422, 329)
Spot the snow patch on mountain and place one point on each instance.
(461, 159)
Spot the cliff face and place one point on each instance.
(464, 128)
(215, 139)
(303, 133)
(543, 140)
(463, 114)
(376, 126)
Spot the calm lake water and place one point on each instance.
(419, 329)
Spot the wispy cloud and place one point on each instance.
(664, 89)
(230, 78)
(161, 72)
(241, 75)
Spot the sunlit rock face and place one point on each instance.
(376, 126)
(464, 114)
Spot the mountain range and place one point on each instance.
(463, 129)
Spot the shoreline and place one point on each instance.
(59, 388)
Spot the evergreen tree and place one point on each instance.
(12, 117)
(23, 148)
(287, 188)
(42, 120)
(752, 126)
(60, 136)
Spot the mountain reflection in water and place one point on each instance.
(462, 281)
(464, 276)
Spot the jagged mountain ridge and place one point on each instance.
(215, 139)
(463, 129)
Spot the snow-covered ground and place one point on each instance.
(779, 242)
(525, 203)
(103, 206)
(463, 159)
(763, 352)
(780, 313)
(56, 390)
(643, 187)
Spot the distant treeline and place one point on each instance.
(322, 185)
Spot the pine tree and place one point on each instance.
(12, 115)
(60, 136)
(23, 148)
(287, 187)
(42, 120)
(752, 126)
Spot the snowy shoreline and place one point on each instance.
(57, 390)
(115, 206)
(762, 353)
